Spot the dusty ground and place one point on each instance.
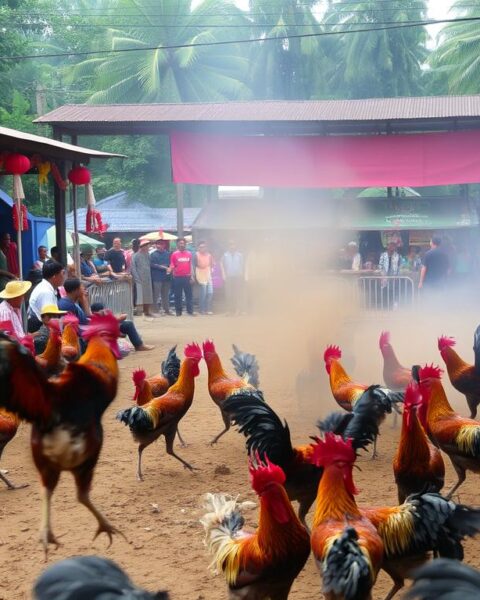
(165, 548)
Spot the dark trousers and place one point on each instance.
(128, 328)
(183, 285)
(234, 294)
(161, 294)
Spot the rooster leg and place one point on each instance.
(181, 440)
(395, 419)
(461, 478)
(10, 485)
(169, 439)
(141, 448)
(374, 453)
(83, 479)
(46, 533)
(472, 402)
(226, 420)
(397, 586)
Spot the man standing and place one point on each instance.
(45, 293)
(436, 266)
(116, 257)
(233, 270)
(203, 262)
(42, 258)
(9, 248)
(389, 265)
(161, 279)
(181, 268)
(5, 275)
(143, 278)
(10, 307)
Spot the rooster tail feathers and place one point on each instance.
(171, 366)
(265, 432)
(346, 570)
(368, 413)
(444, 579)
(246, 366)
(139, 419)
(335, 422)
(476, 349)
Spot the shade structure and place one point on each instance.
(426, 159)
(153, 236)
(49, 239)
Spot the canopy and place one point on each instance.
(153, 236)
(49, 239)
(427, 159)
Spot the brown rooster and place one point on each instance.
(464, 377)
(157, 384)
(160, 416)
(70, 346)
(221, 385)
(65, 412)
(9, 423)
(259, 565)
(417, 464)
(395, 376)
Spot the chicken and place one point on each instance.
(395, 376)
(159, 384)
(65, 412)
(267, 435)
(264, 564)
(457, 436)
(347, 548)
(424, 523)
(245, 365)
(70, 348)
(89, 578)
(51, 357)
(464, 377)
(160, 416)
(221, 385)
(9, 423)
(445, 579)
(417, 464)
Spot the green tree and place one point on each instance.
(456, 59)
(169, 75)
(384, 63)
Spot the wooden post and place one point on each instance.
(59, 207)
(180, 226)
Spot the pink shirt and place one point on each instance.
(181, 263)
(8, 313)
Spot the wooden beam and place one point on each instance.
(59, 207)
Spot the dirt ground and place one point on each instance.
(165, 546)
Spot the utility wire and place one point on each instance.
(244, 41)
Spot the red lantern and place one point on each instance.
(79, 176)
(17, 164)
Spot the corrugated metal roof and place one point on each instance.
(426, 107)
(11, 139)
(125, 216)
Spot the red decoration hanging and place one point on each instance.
(94, 223)
(22, 223)
(61, 183)
(17, 164)
(79, 176)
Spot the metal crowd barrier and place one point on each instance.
(116, 295)
(378, 293)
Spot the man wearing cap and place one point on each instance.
(10, 307)
(45, 293)
(143, 278)
(48, 312)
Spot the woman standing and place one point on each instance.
(203, 275)
(143, 278)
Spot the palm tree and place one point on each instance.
(383, 63)
(185, 74)
(457, 56)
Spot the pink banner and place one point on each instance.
(326, 161)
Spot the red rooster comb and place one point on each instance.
(208, 348)
(101, 324)
(445, 342)
(262, 473)
(138, 377)
(28, 343)
(430, 372)
(193, 351)
(72, 320)
(384, 339)
(333, 448)
(413, 396)
(331, 353)
(54, 326)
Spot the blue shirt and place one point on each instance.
(233, 264)
(74, 308)
(86, 269)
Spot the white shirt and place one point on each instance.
(43, 294)
(9, 313)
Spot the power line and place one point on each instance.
(245, 41)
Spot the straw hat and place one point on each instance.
(52, 309)
(145, 242)
(16, 288)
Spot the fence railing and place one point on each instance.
(116, 295)
(378, 293)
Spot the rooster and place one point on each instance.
(9, 423)
(221, 385)
(157, 384)
(445, 579)
(89, 578)
(424, 523)
(245, 365)
(51, 357)
(65, 412)
(417, 464)
(457, 436)
(346, 546)
(267, 435)
(395, 376)
(160, 416)
(70, 347)
(264, 564)
(464, 377)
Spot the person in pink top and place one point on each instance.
(181, 269)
